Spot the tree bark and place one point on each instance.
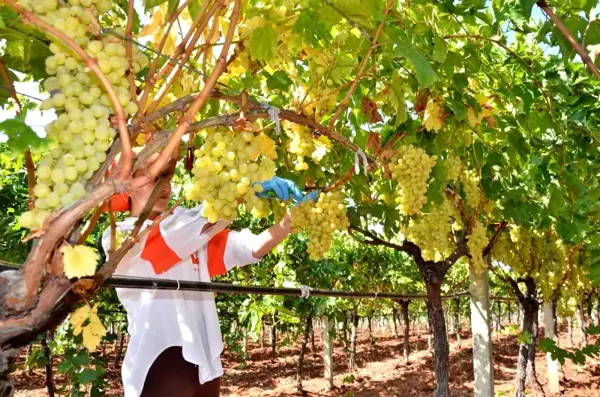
(301, 357)
(120, 350)
(406, 321)
(49, 366)
(530, 308)
(570, 331)
(532, 379)
(394, 315)
(582, 329)
(352, 360)
(481, 324)
(552, 365)
(327, 352)
(441, 349)
(273, 338)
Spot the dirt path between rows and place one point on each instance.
(382, 371)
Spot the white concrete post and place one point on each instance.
(553, 365)
(482, 341)
(327, 352)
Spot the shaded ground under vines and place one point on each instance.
(382, 370)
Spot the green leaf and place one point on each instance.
(279, 81)
(262, 43)
(397, 99)
(424, 72)
(527, 6)
(148, 4)
(20, 135)
(440, 50)
(194, 7)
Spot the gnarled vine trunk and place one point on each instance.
(273, 337)
(354, 334)
(302, 350)
(48, 366)
(440, 341)
(394, 315)
(406, 321)
(526, 350)
(581, 324)
(570, 331)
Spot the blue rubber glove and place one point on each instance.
(314, 196)
(282, 188)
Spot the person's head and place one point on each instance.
(140, 197)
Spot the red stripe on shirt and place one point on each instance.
(216, 254)
(158, 253)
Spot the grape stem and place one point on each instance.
(151, 72)
(174, 72)
(186, 120)
(129, 50)
(361, 71)
(92, 64)
(10, 86)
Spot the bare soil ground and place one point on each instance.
(382, 371)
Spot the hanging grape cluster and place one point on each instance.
(432, 232)
(454, 168)
(227, 167)
(82, 132)
(320, 220)
(411, 167)
(552, 265)
(301, 144)
(472, 190)
(476, 242)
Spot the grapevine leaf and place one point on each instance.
(527, 6)
(79, 261)
(279, 81)
(397, 99)
(262, 43)
(20, 135)
(424, 72)
(148, 4)
(440, 50)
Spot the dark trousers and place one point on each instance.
(171, 376)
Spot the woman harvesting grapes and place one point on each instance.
(176, 342)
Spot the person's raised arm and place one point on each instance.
(269, 239)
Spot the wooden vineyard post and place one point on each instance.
(553, 366)
(480, 324)
(327, 351)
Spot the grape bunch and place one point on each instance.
(553, 265)
(82, 132)
(454, 168)
(301, 144)
(411, 167)
(476, 242)
(320, 220)
(227, 167)
(432, 232)
(472, 190)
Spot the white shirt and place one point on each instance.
(158, 319)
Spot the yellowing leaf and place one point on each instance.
(157, 20)
(472, 117)
(433, 118)
(79, 261)
(93, 333)
(85, 321)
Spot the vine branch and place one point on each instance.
(565, 32)
(361, 71)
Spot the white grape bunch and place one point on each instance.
(320, 220)
(411, 167)
(454, 167)
(432, 232)
(476, 242)
(472, 190)
(301, 144)
(227, 167)
(82, 132)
